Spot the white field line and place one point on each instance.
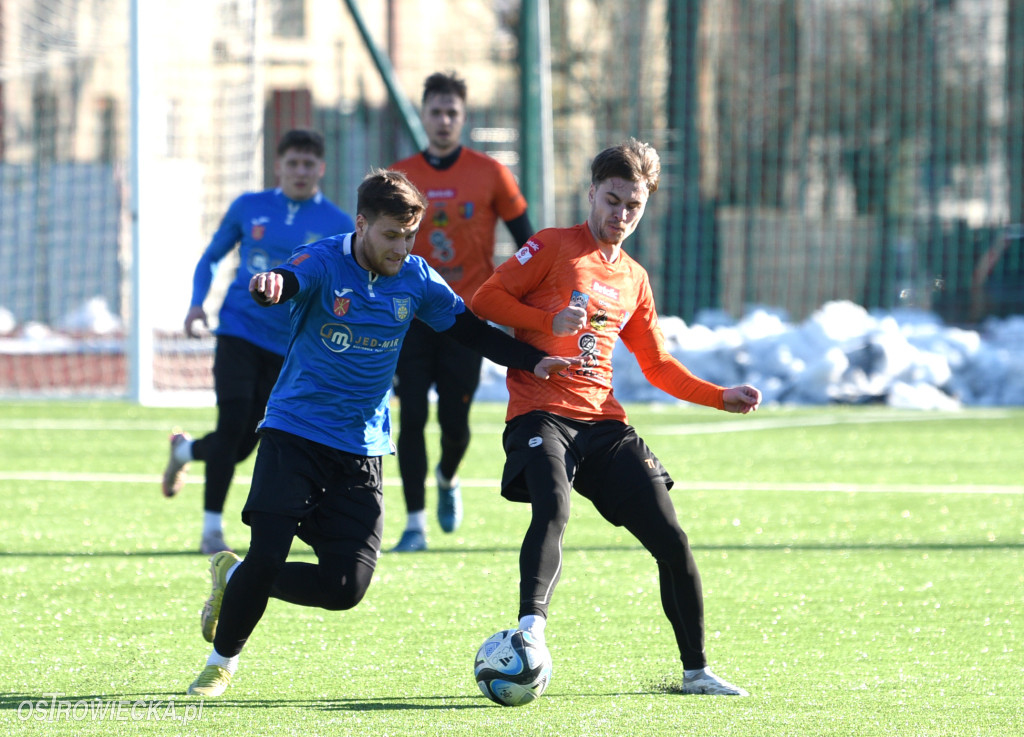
(768, 486)
(736, 424)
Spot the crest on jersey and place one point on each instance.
(341, 305)
(466, 210)
(402, 308)
(258, 230)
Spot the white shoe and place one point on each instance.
(710, 684)
(175, 472)
(213, 542)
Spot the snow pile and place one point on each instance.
(840, 354)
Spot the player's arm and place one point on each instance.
(273, 287)
(502, 348)
(228, 235)
(646, 341)
(520, 228)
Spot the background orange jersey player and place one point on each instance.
(467, 192)
(575, 291)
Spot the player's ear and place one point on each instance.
(360, 224)
(590, 194)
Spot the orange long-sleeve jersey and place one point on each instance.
(457, 232)
(559, 267)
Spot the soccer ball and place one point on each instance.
(512, 668)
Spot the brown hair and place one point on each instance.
(440, 83)
(389, 193)
(303, 140)
(632, 160)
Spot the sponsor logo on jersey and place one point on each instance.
(604, 290)
(440, 219)
(579, 299)
(299, 259)
(525, 253)
(440, 194)
(402, 308)
(441, 248)
(258, 261)
(338, 337)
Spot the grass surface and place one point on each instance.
(862, 569)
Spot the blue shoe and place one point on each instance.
(412, 541)
(449, 502)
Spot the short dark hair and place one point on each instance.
(444, 83)
(389, 193)
(631, 160)
(301, 139)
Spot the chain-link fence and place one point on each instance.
(813, 150)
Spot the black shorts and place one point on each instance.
(337, 496)
(242, 370)
(605, 461)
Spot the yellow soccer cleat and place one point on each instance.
(220, 564)
(212, 681)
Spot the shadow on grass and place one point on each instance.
(48, 700)
(737, 548)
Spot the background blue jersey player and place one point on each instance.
(266, 227)
(318, 468)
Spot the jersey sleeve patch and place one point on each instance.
(525, 253)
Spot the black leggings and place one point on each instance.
(430, 359)
(650, 517)
(243, 376)
(335, 582)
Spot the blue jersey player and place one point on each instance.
(318, 469)
(266, 227)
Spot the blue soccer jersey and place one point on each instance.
(267, 226)
(347, 326)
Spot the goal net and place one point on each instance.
(121, 148)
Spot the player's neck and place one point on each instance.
(439, 159)
(610, 251)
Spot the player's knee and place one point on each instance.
(344, 593)
(265, 564)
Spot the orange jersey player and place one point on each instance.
(466, 199)
(574, 290)
(564, 267)
(467, 192)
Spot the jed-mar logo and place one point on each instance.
(337, 337)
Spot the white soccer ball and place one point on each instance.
(512, 668)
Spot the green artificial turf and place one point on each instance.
(863, 574)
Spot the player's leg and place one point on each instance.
(414, 375)
(539, 467)
(268, 369)
(236, 372)
(458, 375)
(232, 613)
(288, 480)
(630, 487)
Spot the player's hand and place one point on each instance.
(553, 364)
(266, 288)
(569, 321)
(195, 313)
(741, 399)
